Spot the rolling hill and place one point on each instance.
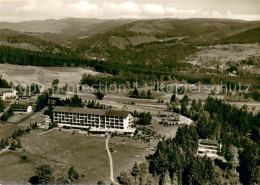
(17, 39)
(149, 41)
(144, 42)
(248, 36)
(62, 31)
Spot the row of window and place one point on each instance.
(86, 115)
(88, 122)
(95, 126)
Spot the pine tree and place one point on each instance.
(135, 170)
(149, 94)
(135, 92)
(13, 146)
(184, 110)
(173, 98)
(2, 144)
(156, 87)
(44, 174)
(73, 174)
(19, 145)
(6, 142)
(2, 107)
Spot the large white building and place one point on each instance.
(96, 120)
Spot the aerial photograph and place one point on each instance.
(130, 92)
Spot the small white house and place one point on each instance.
(7, 93)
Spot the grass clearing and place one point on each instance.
(43, 75)
(62, 149)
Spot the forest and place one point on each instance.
(177, 158)
(121, 72)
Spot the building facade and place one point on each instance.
(7, 93)
(22, 109)
(96, 120)
(24, 96)
(208, 147)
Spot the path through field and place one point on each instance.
(111, 161)
(5, 149)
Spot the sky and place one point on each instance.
(23, 10)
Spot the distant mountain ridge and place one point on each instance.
(126, 40)
(62, 30)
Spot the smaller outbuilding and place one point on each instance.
(21, 108)
(7, 93)
(209, 148)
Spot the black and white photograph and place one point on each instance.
(130, 92)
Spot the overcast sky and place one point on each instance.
(21, 10)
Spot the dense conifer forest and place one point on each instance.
(177, 158)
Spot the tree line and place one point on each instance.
(122, 72)
(176, 158)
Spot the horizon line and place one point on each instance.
(134, 19)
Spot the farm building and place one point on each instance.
(96, 120)
(55, 98)
(7, 93)
(173, 119)
(21, 108)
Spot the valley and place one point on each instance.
(154, 89)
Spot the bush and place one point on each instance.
(7, 115)
(223, 165)
(43, 175)
(99, 95)
(100, 182)
(13, 146)
(144, 118)
(73, 174)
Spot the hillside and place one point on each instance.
(125, 40)
(157, 44)
(146, 40)
(17, 39)
(71, 25)
(63, 31)
(248, 36)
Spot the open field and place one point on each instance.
(129, 152)
(42, 75)
(224, 53)
(62, 149)
(7, 129)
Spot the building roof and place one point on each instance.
(117, 113)
(208, 142)
(91, 111)
(25, 94)
(59, 96)
(6, 90)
